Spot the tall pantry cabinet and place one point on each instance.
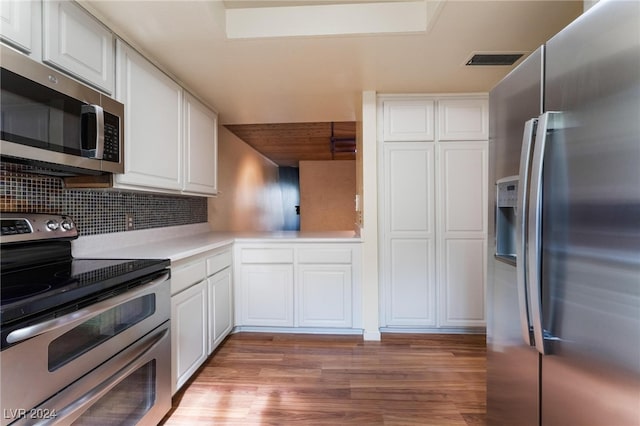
(433, 230)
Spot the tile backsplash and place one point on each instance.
(94, 211)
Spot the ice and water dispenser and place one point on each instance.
(506, 205)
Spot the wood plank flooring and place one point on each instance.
(289, 379)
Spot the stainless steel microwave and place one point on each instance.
(56, 122)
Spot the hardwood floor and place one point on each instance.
(284, 379)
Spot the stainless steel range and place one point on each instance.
(84, 341)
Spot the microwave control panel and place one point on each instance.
(111, 138)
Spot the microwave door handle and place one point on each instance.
(134, 359)
(92, 132)
(81, 315)
(521, 232)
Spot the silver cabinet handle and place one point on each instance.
(82, 314)
(93, 148)
(134, 359)
(521, 231)
(546, 122)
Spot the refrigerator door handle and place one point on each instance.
(546, 122)
(521, 232)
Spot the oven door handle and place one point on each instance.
(134, 359)
(82, 314)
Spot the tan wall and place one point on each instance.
(327, 193)
(250, 198)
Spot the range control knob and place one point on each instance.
(52, 225)
(67, 225)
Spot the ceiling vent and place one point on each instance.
(494, 58)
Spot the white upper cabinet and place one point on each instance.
(408, 120)
(77, 43)
(16, 25)
(463, 119)
(200, 148)
(170, 138)
(153, 124)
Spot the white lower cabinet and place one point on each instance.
(324, 296)
(298, 285)
(220, 292)
(267, 295)
(188, 333)
(201, 311)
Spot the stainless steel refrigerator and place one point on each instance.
(563, 330)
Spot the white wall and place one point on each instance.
(250, 197)
(369, 229)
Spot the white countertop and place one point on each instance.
(180, 242)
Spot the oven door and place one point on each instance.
(133, 388)
(48, 356)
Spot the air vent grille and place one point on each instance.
(494, 59)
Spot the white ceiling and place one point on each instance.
(311, 79)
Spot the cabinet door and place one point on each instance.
(408, 120)
(153, 132)
(16, 28)
(408, 258)
(411, 290)
(77, 43)
(324, 296)
(462, 278)
(188, 333)
(409, 189)
(220, 307)
(462, 188)
(201, 147)
(463, 119)
(462, 232)
(267, 295)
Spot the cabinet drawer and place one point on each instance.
(283, 255)
(186, 276)
(218, 262)
(327, 256)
